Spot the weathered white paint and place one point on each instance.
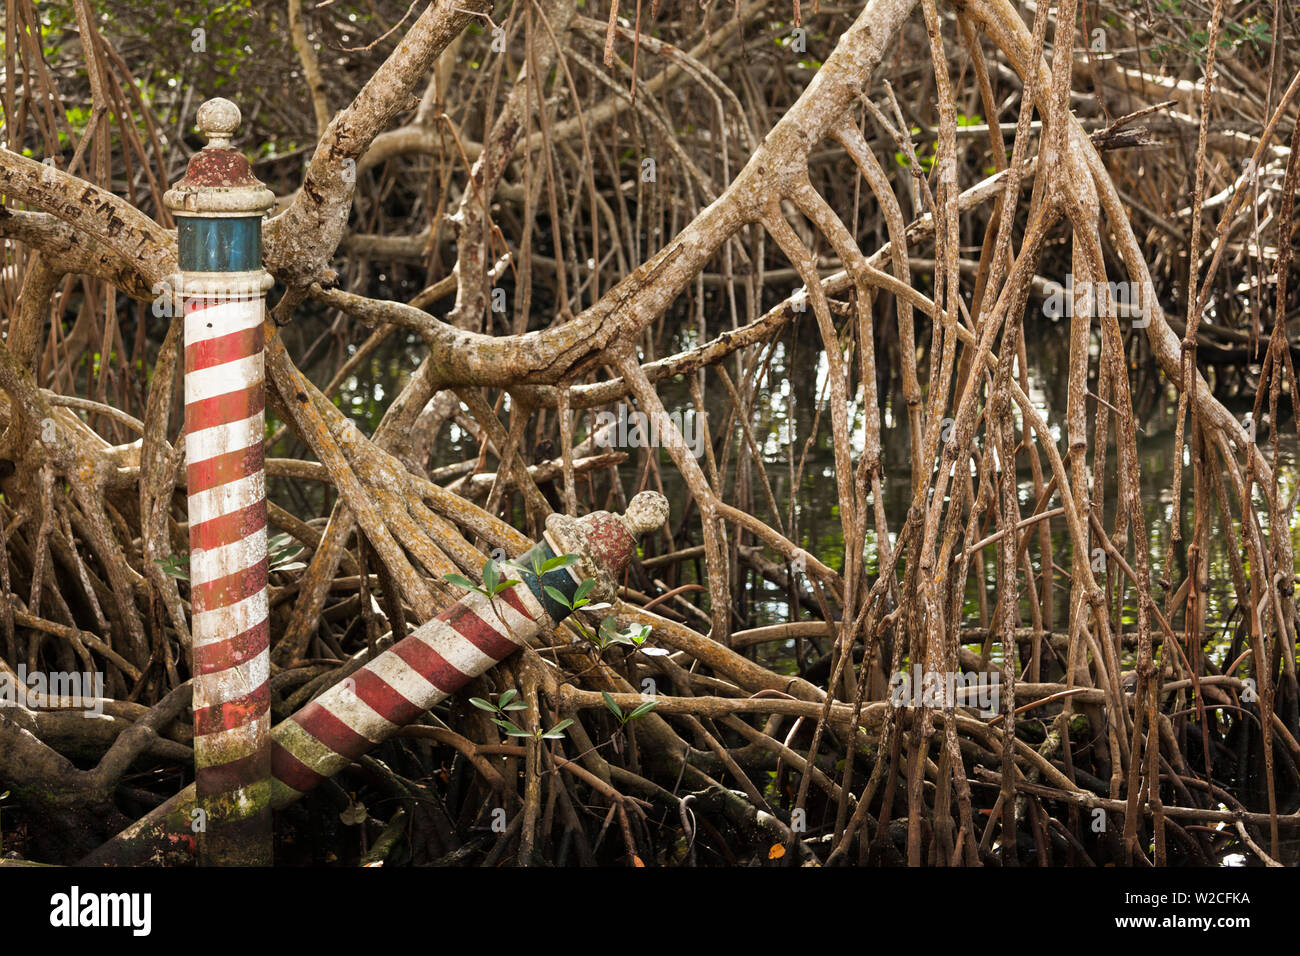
(218, 320)
(227, 745)
(223, 379)
(341, 701)
(223, 499)
(219, 439)
(212, 563)
(403, 678)
(226, 622)
(454, 649)
(216, 686)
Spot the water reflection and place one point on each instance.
(791, 386)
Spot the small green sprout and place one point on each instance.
(494, 582)
(540, 567)
(513, 730)
(280, 552)
(580, 596)
(506, 702)
(623, 718)
(608, 634)
(175, 566)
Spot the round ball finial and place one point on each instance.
(646, 511)
(218, 118)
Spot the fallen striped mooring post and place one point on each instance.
(218, 207)
(399, 685)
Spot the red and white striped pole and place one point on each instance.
(433, 661)
(469, 638)
(219, 207)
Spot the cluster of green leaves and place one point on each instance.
(1253, 32)
(175, 566)
(581, 597)
(608, 634)
(495, 580)
(508, 702)
(635, 637)
(540, 567)
(281, 551)
(927, 157)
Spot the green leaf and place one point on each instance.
(645, 708)
(610, 632)
(562, 561)
(460, 581)
(505, 585)
(174, 566)
(288, 551)
(609, 702)
(482, 704)
(512, 729)
(558, 596)
(491, 576)
(557, 732)
(517, 705)
(507, 697)
(585, 588)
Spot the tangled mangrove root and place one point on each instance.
(914, 602)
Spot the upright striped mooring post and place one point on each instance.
(399, 685)
(219, 207)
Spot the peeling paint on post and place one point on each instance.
(219, 207)
(432, 662)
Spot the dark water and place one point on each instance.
(1047, 347)
(797, 370)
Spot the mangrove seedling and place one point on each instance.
(639, 711)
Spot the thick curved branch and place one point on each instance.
(300, 242)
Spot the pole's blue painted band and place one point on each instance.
(560, 579)
(220, 245)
